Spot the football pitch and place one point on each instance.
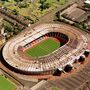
(45, 47)
(5, 84)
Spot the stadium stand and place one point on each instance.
(76, 44)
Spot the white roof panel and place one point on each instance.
(37, 35)
(22, 43)
(44, 32)
(29, 39)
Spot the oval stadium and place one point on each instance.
(45, 48)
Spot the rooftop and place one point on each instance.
(75, 13)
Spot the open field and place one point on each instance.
(43, 48)
(5, 84)
(54, 1)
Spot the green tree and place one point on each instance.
(8, 27)
(5, 0)
(42, 1)
(18, 0)
(44, 6)
(15, 12)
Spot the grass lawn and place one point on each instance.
(5, 84)
(55, 1)
(54, 88)
(43, 48)
(62, 1)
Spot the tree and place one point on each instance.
(81, 59)
(15, 12)
(5, 0)
(57, 72)
(87, 5)
(58, 15)
(18, 0)
(68, 68)
(86, 53)
(8, 27)
(58, 0)
(44, 6)
(42, 1)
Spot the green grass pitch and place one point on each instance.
(43, 48)
(5, 84)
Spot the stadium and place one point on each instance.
(44, 49)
